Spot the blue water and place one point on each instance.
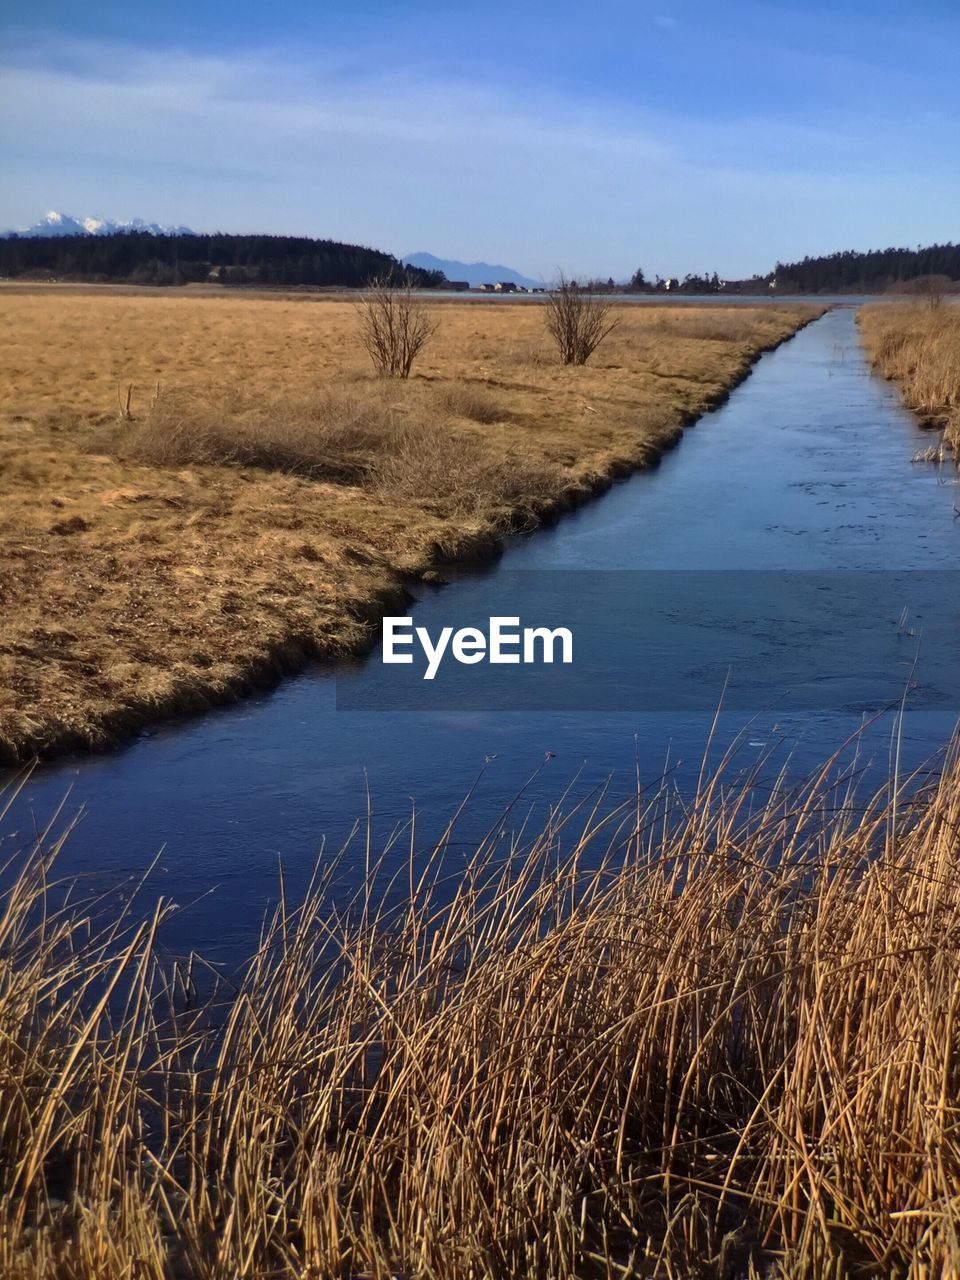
(807, 466)
(686, 299)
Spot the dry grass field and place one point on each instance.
(268, 494)
(918, 347)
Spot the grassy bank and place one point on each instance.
(918, 347)
(717, 1038)
(266, 495)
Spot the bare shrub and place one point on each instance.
(394, 326)
(578, 320)
(931, 289)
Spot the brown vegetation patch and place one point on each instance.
(918, 347)
(266, 491)
(714, 1039)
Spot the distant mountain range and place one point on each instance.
(475, 273)
(62, 224)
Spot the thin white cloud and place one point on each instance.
(468, 168)
(275, 97)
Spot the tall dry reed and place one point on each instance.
(919, 348)
(716, 1037)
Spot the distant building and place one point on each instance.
(459, 285)
(505, 286)
(487, 288)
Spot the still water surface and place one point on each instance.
(808, 466)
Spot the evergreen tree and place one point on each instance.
(144, 258)
(871, 272)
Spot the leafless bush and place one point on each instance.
(578, 320)
(394, 326)
(931, 289)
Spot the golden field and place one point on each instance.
(918, 347)
(268, 493)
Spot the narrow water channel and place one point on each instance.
(808, 466)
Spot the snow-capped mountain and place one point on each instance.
(62, 224)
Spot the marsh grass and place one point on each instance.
(462, 400)
(427, 462)
(262, 509)
(325, 435)
(392, 438)
(716, 1036)
(919, 348)
(701, 324)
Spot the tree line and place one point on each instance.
(850, 271)
(138, 257)
(875, 271)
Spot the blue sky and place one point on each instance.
(680, 135)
